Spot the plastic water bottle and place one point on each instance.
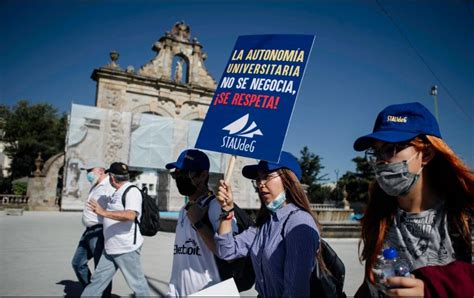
(377, 270)
(393, 265)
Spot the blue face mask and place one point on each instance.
(92, 178)
(395, 178)
(276, 204)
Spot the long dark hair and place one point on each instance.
(294, 194)
(446, 174)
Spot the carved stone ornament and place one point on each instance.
(112, 96)
(346, 203)
(181, 31)
(114, 55)
(178, 43)
(114, 138)
(178, 73)
(39, 164)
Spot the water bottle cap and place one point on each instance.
(390, 253)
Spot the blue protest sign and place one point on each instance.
(254, 101)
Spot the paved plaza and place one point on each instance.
(36, 251)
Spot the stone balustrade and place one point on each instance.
(315, 207)
(13, 200)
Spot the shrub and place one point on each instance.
(19, 188)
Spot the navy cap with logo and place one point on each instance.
(191, 160)
(287, 161)
(400, 123)
(118, 168)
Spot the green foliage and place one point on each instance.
(322, 193)
(19, 188)
(311, 167)
(357, 184)
(28, 130)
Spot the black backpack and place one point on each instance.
(149, 222)
(240, 269)
(323, 283)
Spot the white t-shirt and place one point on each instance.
(101, 193)
(119, 235)
(194, 267)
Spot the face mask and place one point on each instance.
(92, 178)
(276, 204)
(185, 186)
(394, 178)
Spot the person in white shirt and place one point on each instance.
(91, 243)
(194, 266)
(122, 236)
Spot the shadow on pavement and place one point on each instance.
(74, 289)
(153, 288)
(71, 288)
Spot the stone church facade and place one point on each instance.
(174, 85)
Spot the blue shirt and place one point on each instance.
(282, 265)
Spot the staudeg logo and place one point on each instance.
(238, 128)
(239, 132)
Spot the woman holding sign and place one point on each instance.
(420, 206)
(285, 239)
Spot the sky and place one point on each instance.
(367, 55)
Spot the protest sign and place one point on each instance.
(226, 288)
(254, 101)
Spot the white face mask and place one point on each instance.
(395, 178)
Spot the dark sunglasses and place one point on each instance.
(179, 174)
(183, 174)
(385, 152)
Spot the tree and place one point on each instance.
(357, 184)
(28, 130)
(311, 167)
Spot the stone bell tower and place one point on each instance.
(175, 83)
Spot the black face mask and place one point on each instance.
(185, 186)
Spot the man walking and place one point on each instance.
(91, 243)
(194, 266)
(122, 236)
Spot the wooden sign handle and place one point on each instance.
(230, 168)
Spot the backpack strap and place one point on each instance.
(283, 237)
(286, 220)
(124, 195)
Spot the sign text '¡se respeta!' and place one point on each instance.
(237, 143)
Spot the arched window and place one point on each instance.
(180, 69)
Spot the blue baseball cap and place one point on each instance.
(191, 160)
(400, 123)
(287, 161)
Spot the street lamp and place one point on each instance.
(434, 93)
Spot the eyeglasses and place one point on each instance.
(265, 180)
(385, 152)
